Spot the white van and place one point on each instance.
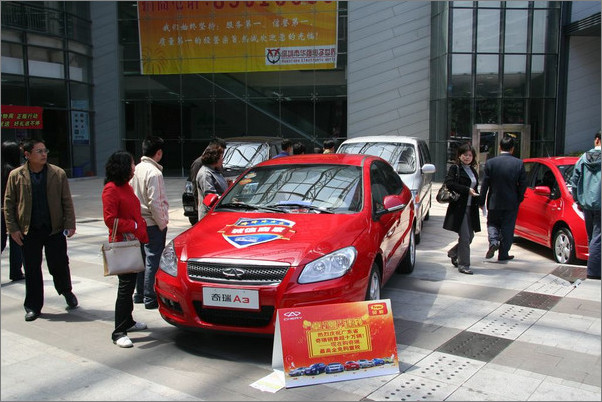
(411, 159)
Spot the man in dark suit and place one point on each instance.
(503, 187)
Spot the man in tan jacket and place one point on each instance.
(39, 214)
(149, 187)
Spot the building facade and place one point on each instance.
(448, 72)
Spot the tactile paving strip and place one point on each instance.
(407, 387)
(534, 300)
(551, 285)
(475, 346)
(570, 273)
(508, 321)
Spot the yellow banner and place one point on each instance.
(182, 37)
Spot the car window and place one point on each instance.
(243, 155)
(545, 177)
(407, 159)
(383, 181)
(388, 151)
(425, 154)
(335, 188)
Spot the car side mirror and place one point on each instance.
(428, 168)
(210, 200)
(393, 203)
(542, 190)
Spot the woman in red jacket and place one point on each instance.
(119, 201)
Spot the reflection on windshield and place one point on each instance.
(332, 188)
(399, 155)
(241, 155)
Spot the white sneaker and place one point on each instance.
(123, 342)
(139, 326)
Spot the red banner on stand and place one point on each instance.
(23, 117)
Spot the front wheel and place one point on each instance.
(564, 246)
(373, 291)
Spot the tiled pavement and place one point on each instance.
(525, 330)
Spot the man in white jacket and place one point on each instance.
(149, 187)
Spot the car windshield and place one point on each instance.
(297, 189)
(241, 155)
(400, 155)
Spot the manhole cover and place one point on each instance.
(508, 321)
(475, 346)
(534, 300)
(570, 273)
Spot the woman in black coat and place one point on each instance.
(462, 216)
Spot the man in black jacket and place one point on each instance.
(503, 187)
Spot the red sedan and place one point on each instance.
(292, 231)
(549, 215)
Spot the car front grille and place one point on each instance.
(233, 272)
(235, 318)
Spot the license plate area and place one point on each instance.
(245, 299)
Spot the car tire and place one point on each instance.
(406, 266)
(193, 219)
(373, 290)
(563, 246)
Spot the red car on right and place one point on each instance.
(549, 215)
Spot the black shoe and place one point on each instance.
(18, 278)
(152, 305)
(31, 315)
(593, 277)
(508, 258)
(454, 261)
(465, 270)
(492, 249)
(71, 299)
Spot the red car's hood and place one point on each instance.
(291, 238)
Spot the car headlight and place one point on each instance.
(333, 265)
(169, 260)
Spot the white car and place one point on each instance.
(411, 159)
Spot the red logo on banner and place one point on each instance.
(377, 309)
(22, 117)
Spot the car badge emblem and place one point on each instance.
(231, 273)
(292, 314)
(249, 232)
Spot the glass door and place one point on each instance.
(486, 140)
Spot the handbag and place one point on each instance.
(445, 195)
(122, 257)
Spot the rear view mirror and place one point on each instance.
(542, 190)
(210, 199)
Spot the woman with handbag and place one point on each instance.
(462, 215)
(120, 203)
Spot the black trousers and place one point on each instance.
(55, 249)
(124, 305)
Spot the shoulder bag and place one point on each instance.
(122, 257)
(445, 195)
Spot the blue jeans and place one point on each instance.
(145, 283)
(592, 225)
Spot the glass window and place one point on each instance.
(80, 96)
(45, 62)
(79, 67)
(513, 111)
(515, 80)
(516, 31)
(517, 4)
(488, 4)
(488, 30)
(12, 58)
(460, 117)
(543, 76)
(487, 76)
(47, 93)
(462, 30)
(545, 31)
(461, 75)
(45, 41)
(13, 89)
(487, 111)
